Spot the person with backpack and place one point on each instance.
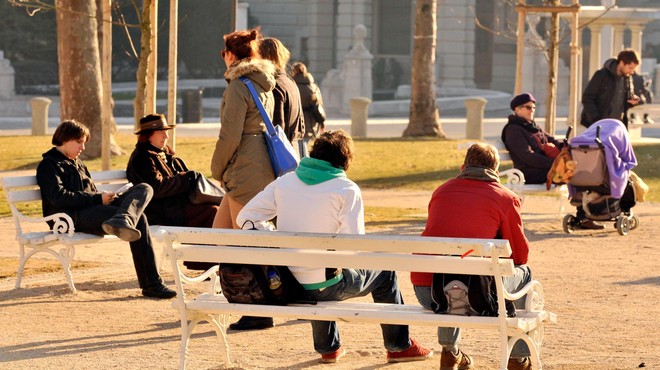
(318, 197)
(288, 112)
(480, 207)
(311, 101)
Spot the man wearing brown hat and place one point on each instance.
(155, 163)
(531, 149)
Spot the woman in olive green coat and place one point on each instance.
(240, 160)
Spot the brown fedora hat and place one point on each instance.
(153, 122)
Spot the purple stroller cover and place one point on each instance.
(619, 154)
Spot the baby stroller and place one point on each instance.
(601, 183)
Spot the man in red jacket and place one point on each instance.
(476, 205)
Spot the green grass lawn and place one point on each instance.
(415, 164)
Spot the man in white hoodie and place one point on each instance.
(319, 198)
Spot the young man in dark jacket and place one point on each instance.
(66, 186)
(608, 95)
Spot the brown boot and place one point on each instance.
(515, 364)
(590, 225)
(460, 361)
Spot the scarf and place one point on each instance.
(314, 171)
(519, 121)
(479, 173)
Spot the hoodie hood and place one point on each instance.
(610, 65)
(260, 71)
(303, 80)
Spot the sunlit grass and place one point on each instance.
(414, 164)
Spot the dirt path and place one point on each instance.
(603, 286)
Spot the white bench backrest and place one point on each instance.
(25, 189)
(380, 252)
(370, 242)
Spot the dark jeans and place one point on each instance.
(129, 206)
(384, 288)
(448, 337)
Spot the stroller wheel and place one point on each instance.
(633, 221)
(622, 225)
(568, 223)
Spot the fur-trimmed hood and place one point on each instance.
(260, 71)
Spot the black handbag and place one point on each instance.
(205, 192)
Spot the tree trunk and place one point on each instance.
(115, 149)
(145, 54)
(553, 67)
(80, 68)
(424, 117)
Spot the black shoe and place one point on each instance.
(252, 323)
(160, 291)
(590, 225)
(121, 229)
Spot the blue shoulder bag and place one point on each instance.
(283, 157)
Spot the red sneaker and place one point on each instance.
(414, 353)
(333, 357)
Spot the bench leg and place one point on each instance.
(533, 339)
(220, 324)
(21, 264)
(66, 256)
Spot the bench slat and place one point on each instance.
(345, 259)
(359, 312)
(372, 242)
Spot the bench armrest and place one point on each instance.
(513, 176)
(534, 301)
(63, 223)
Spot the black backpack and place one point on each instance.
(467, 295)
(250, 284)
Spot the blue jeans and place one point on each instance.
(449, 337)
(384, 288)
(129, 206)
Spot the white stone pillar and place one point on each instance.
(359, 114)
(474, 128)
(636, 40)
(357, 69)
(242, 16)
(595, 49)
(39, 108)
(6, 78)
(617, 40)
(606, 50)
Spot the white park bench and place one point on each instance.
(637, 121)
(379, 252)
(514, 179)
(62, 240)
